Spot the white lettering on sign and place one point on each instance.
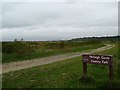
(95, 61)
(99, 62)
(95, 57)
(104, 62)
(103, 57)
(98, 57)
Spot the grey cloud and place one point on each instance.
(53, 20)
(26, 14)
(57, 33)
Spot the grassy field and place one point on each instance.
(18, 51)
(65, 74)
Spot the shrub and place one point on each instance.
(18, 48)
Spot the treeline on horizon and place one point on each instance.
(105, 38)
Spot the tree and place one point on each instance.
(22, 39)
(15, 40)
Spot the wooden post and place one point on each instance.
(110, 72)
(84, 69)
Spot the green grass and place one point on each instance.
(20, 53)
(64, 74)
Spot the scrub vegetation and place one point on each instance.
(22, 50)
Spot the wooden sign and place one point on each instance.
(97, 59)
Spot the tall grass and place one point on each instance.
(16, 51)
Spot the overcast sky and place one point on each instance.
(58, 20)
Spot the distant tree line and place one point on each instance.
(107, 38)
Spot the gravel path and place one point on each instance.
(12, 66)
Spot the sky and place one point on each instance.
(63, 20)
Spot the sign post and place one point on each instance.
(97, 59)
(84, 69)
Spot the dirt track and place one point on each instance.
(47, 60)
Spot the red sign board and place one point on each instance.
(97, 59)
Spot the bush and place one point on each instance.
(18, 48)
